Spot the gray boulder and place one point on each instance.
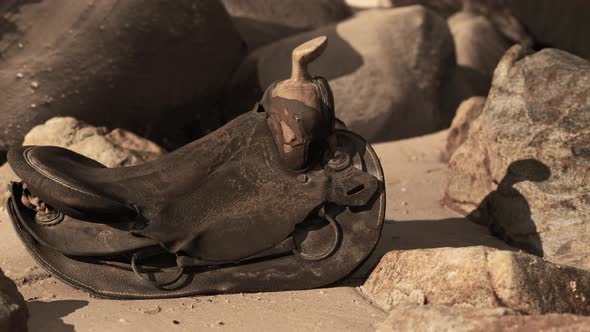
(549, 23)
(139, 65)
(13, 308)
(263, 21)
(524, 170)
(385, 67)
(498, 12)
(478, 277)
(478, 44)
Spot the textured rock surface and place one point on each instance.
(385, 68)
(263, 21)
(142, 66)
(13, 308)
(468, 111)
(113, 149)
(442, 318)
(478, 277)
(525, 167)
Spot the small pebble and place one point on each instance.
(19, 75)
(220, 323)
(34, 84)
(20, 45)
(404, 203)
(33, 105)
(175, 322)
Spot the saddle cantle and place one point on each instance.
(276, 199)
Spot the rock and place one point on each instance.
(13, 308)
(478, 277)
(443, 318)
(478, 45)
(496, 11)
(385, 68)
(468, 111)
(478, 48)
(142, 66)
(263, 21)
(113, 149)
(548, 23)
(524, 170)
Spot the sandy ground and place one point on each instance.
(415, 219)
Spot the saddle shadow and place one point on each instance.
(484, 226)
(48, 316)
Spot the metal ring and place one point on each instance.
(154, 283)
(332, 249)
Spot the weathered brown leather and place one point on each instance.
(221, 232)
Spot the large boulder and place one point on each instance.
(384, 66)
(263, 21)
(13, 308)
(524, 171)
(478, 44)
(139, 65)
(442, 318)
(114, 148)
(478, 277)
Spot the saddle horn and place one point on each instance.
(300, 109)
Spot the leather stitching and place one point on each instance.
(53, 178)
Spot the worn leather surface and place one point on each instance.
(223, 201)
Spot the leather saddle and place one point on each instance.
(276, 199)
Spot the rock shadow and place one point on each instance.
(47, 316)
(506, 212)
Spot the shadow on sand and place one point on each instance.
(48, 316)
